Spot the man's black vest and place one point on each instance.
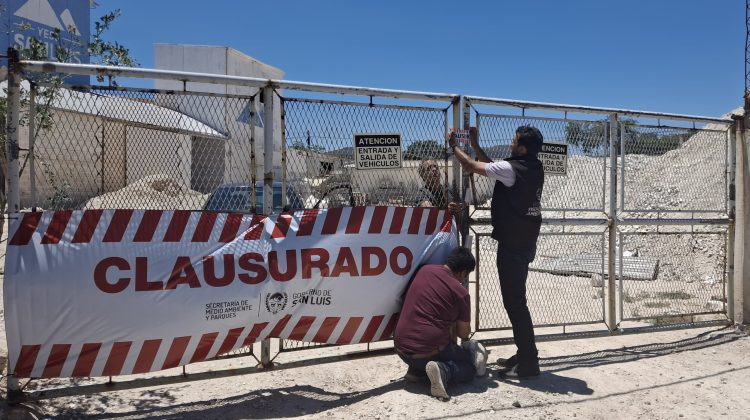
(516, 210)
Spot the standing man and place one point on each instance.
(436, 300)
(516, 221)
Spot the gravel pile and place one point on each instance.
(156, 192)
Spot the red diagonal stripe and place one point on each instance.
(326, 329)
(231, 227)
(256, 228)
(56, 227)
(177, 225)
(118, 225)
(86, 359)
(56, 360)
(26, 360)
(147, 227)
(204, 347)
(378, 219)
(388, 331)
(349, 330)
(146, 356)
(176, 351)
(416, 220)
(26, 228)
(432, 220)
(205, 226)
(447, 221)
(397, 222)
(116, 359)
(355, 219)
(230, 341)
(307, 222)
(331, 223)
(87, 226)
(282, 226)
(254, 333)
(372, 328)
(276, 331)
(303, 326)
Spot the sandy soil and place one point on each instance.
(694, 373)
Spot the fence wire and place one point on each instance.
(135, 148)
(565, 284)
(669, 169)
(320, 155)
(584, 186)
(668, 274)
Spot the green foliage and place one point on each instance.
(424, 149)
(593, 138)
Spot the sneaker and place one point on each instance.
(478, 356)
(521, 372)
(437, 380)
(509, 362)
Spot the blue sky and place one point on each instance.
(680, 56)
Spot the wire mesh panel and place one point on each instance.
(669, 169)
(667, 274)
(320, 156)
(564, 286)
(583, 188)
(137, 148)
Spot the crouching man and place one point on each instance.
(435, 301)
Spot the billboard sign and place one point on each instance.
(22, 20)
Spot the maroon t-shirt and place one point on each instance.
(435, 301)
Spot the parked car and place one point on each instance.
(236, 198)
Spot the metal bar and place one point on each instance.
(592, 110)
(283, 154)
(526, 117)
(730, 231)
(673, 222)
(559, 324)
(673, 316)
(253, 162)
(32, 140)
(268, 134)
(456, 166)
(611, 287)
(366, 104)
(565, 222)
(106, 88)
(622, 167)
(12, 176)
(97, 70)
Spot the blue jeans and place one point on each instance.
(455, 359)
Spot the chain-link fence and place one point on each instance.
(320, 154)
(137, 148)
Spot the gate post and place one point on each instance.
(731, 162)
(611, 313)
(12, 175)
(268, 134)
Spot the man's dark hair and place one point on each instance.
(531, 138)
(460, 259)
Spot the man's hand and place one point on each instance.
(455, 208)
(452, 139)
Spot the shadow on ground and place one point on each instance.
(299, 400)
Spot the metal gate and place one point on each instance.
(638, 227)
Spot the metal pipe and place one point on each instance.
(673, 222)
(11, 179)
(253, 136)
(731, 149)
(268, 135)
(593, 110)
(611, 287)
(740, 220)
(97, 70)
(32, 140)
(283, 155)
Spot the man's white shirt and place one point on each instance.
(501, 171)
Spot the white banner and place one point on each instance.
(114, 292)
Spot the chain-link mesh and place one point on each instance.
(666, 274)
(134, 148)
(673, 169)
(320, 161)
(583, 188)
(564, 286)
